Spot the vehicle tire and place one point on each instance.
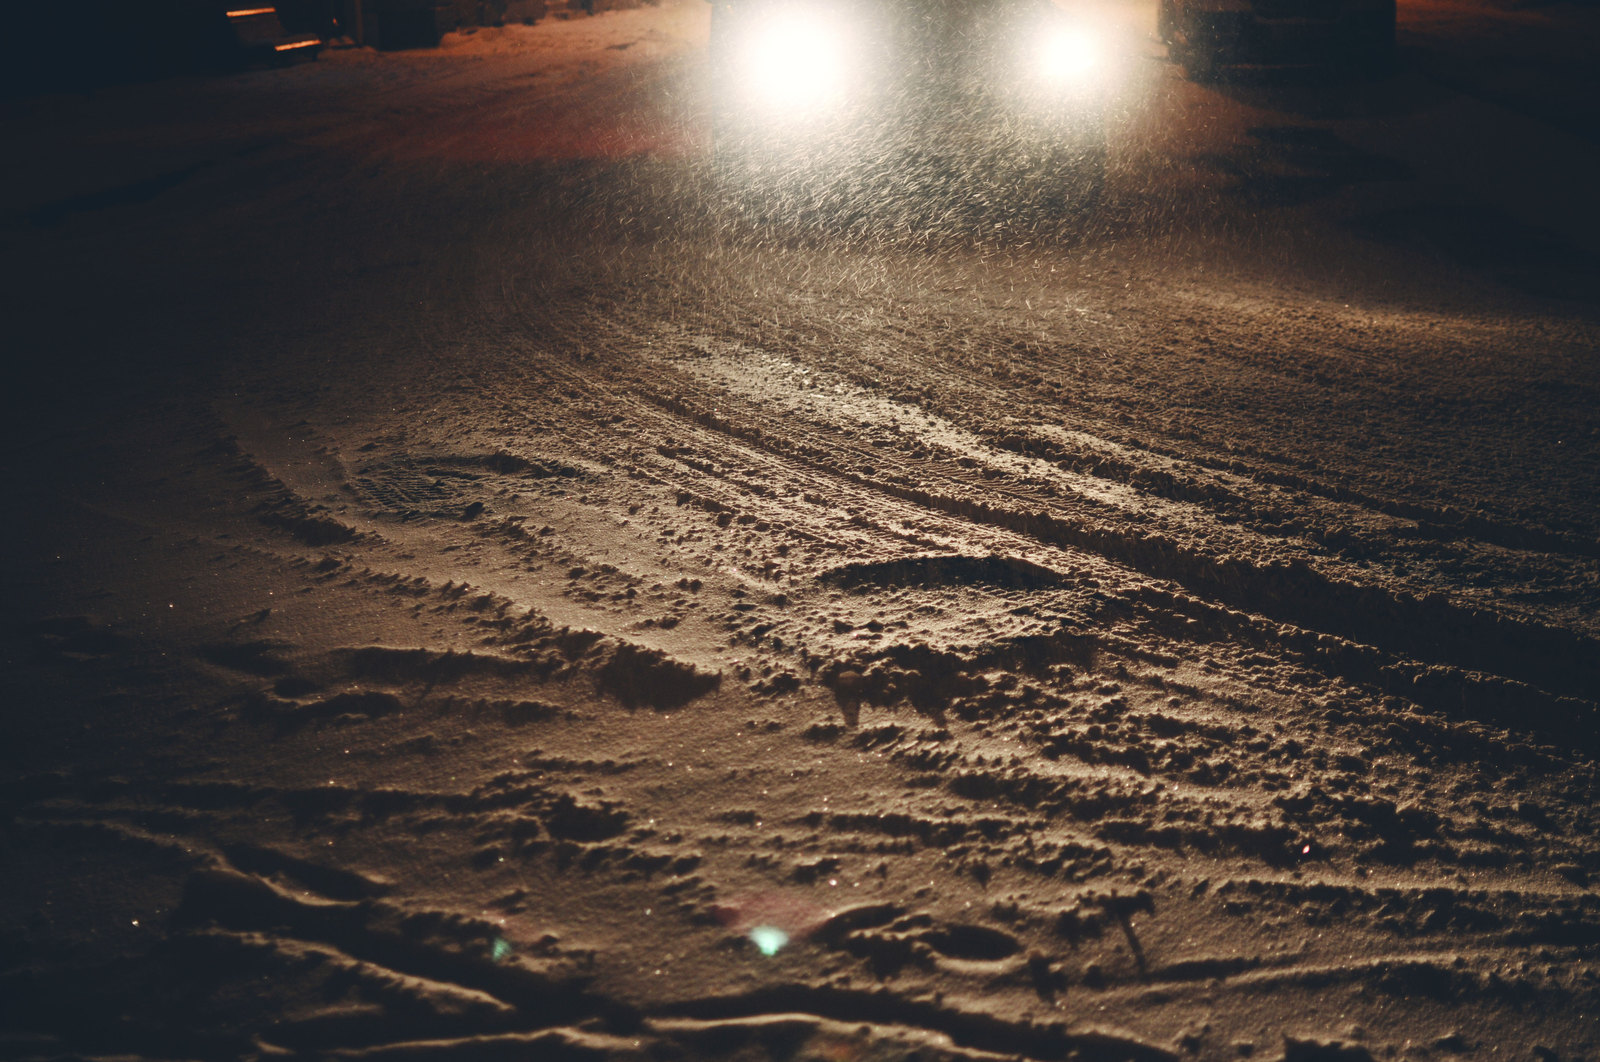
(1200, 67)
(1201, 61)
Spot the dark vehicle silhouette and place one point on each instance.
(1207, 36)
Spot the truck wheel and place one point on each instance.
(1200, 63)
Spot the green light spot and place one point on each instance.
(769, 939)
(500, 950)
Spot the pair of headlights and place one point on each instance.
(801, 60)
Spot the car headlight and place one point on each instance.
(791, 62)
(1066, 56)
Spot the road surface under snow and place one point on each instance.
(479, 588)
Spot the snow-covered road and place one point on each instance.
(479, 588)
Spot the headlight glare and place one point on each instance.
(791, 64)
(1067, 56)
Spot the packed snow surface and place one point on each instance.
(483, 581)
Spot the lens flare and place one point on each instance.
(768, 939)
(771, 920)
